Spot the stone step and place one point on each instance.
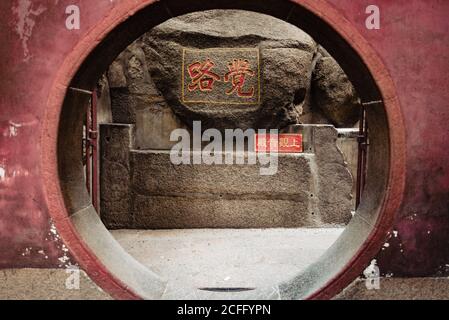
(144, 189)
(293, 176)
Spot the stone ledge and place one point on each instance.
(144, 189)
(161, 212)
(153, 173)
(49, 284)
(431, 288)
(46, 284)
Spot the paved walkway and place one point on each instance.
(227, 257)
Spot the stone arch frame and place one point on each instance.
(92, 245)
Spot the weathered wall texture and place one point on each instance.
(413, 43)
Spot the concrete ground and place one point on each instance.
(227, 258)
(50, 284)
(217, 258)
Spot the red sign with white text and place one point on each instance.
(280, 143)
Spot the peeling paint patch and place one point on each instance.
(12, 130)
(42, 252)
(64, 260)
(2, 173)
(7, 177)
(25, 13)
(27, 251)
(372, 269)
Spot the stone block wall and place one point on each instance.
(294, 80)
(143, 189)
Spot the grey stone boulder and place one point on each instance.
(283, 71)
(333, 93)
(131, 87)
(294, 80)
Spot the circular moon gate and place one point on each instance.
(90, 242)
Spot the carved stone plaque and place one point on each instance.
(221, 76)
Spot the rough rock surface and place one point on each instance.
(115, 173)
(131, 87)
(294, 81)
(104, 114)
(135, 100)
(334, 94)
(286, 60)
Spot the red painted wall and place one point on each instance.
(413, 42)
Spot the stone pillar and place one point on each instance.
(334, 192)
(115, 175)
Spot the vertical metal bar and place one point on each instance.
(364, 153)
(94, 143)
(87, 147)
(360, 157)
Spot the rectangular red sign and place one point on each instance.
(280, 143)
